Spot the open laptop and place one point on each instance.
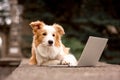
(92, 51)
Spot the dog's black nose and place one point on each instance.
(50, 42)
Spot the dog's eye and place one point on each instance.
(44, 34)
(53, 35)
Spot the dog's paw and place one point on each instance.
(63, 62)
(32, 62)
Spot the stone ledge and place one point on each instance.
(13, 62)
(102, 71)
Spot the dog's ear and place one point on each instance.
(36, 25)
(59, 29)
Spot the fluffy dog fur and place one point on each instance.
(47, 47)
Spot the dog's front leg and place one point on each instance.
(33, 60)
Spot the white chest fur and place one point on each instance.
(44, 53)
(48, 52)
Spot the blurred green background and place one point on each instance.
(80, 19)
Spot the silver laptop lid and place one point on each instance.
(92, 51)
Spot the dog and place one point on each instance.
(47, 47)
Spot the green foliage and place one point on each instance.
(76, 47)
(111, 57)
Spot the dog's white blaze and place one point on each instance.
(50, 30)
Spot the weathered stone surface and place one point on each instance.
(102, 71)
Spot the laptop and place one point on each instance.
(92, 51)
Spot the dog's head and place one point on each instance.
(47, 35)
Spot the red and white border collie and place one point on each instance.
(47, 47)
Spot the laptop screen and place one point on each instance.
(92, 51)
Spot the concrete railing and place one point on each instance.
(102, 71)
